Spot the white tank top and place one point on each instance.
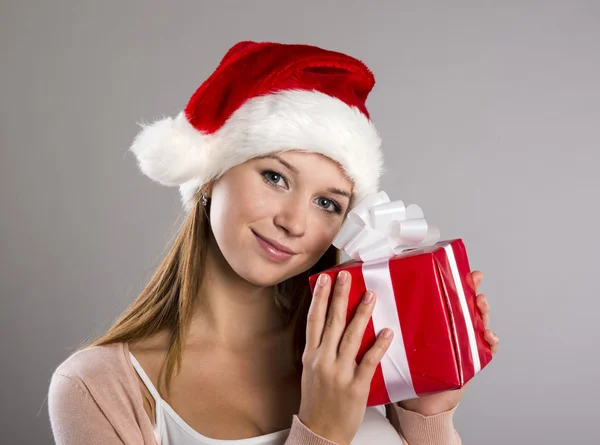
(170, 429)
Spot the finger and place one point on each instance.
(477, 277)
(317, 311)
(484, 309)
(368, 364)
(335, 321)
(355, 331)
(492, 340)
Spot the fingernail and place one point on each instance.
(342, 277)
(387, 333)
(322, 281)
(368, 297)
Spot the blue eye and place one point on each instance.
(273, 177)
(330, 205)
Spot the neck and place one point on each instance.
(231, 311)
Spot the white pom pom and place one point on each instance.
(171, 151)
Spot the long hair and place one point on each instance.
(168, 300)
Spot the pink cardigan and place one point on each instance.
(95, 398)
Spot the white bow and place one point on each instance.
(377, 228)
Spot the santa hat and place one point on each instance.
(265, 98)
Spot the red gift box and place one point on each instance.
(427, 297)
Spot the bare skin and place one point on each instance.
(227, 394)
(237, 379)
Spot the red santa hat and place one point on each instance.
(265, 98)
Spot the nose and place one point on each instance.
(292, 216)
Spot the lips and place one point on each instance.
(273, 249)
(275, 244)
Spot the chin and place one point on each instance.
(265, 279)
(264, 274)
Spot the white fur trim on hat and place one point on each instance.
(173, 152)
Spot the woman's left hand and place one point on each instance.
(444, 401)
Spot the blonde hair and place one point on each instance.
(168, 300)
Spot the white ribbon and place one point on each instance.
(464, 307)
(377, 228)
(394, 364)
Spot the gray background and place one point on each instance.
(490, 113)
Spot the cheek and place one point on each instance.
(316, 244)
(260, 203)
(236, 203)
(322, 233)
(233, 211)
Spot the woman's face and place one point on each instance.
(293, 199)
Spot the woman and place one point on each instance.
(226, 343)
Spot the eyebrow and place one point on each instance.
(281, 161)
(289, 166)
(339, 192)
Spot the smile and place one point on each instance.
(274, 251)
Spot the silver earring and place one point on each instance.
(204, 199)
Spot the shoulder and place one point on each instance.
(102, 373)
(94, 394)
(95, 363)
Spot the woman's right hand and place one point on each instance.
(335, 388)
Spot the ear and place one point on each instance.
(207, 188)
